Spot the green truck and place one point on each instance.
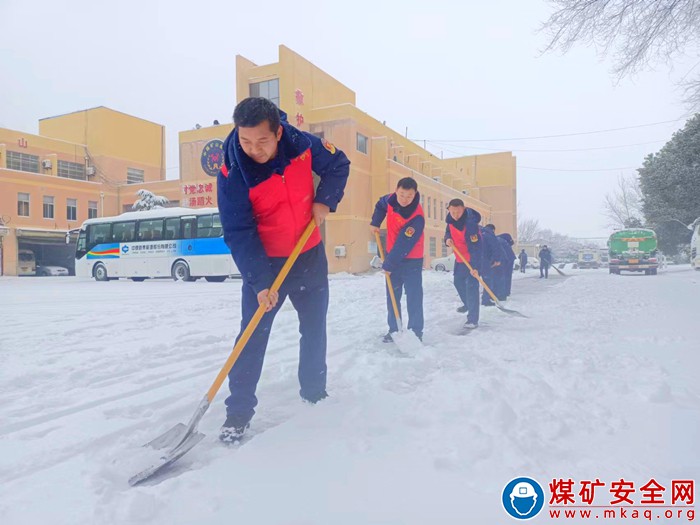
(633, 250)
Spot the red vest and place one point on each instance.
(394, 223)
(282, 208)
(460, 243)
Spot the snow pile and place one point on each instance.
(601, 381)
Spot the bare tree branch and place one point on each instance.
(638, 32)
(623, 207)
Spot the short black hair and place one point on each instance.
(491, 227)
(407, 183)
(252, 111)
(455, 202)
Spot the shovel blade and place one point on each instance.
(511, 312)
(174, 437)
(170, 439)
(407, 342)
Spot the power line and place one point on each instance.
(552, 136)
(514, 150)
(589, 170)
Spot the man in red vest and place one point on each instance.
(266, 199)
(404, 246)
(462, 232)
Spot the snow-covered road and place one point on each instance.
(601, 382)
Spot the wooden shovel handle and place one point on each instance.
(253, 324)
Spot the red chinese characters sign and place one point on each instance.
(198, 195)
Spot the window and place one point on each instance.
(134, 176)
(23, 204)
(433, 247)
(172, 228)
(209, 226)
(269, 89)
(361, 143)
(442, 210)
(48, 207)
(22, 162)
(188, 231)
(428, 207)
(99, 234)
(123, 231)
(444, 249)
(92, 209)
(151, 230)
(72, 209)
(71, 170)
(435, 208)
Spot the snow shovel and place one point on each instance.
(488, 290)
(177, 441)
(407, 342)
(559, 271)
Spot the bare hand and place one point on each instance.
(450, 243)
(497, 263)
(320, 211)
(373, 229)
(387, 272)
(268, 299)
(474, 273)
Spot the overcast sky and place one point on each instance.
(448, 72)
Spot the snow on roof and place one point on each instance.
(158, 213)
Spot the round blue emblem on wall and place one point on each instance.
(213, 157)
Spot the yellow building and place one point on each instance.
(316, 102)
(91, 163)
(80, 165)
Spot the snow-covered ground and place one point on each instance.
(600, 382)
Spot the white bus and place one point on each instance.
(181, 243)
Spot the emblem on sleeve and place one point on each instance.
(330, 147)
(410, 231)
(474, 238)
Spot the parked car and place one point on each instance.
(27, 263)
(51, 270)
(443, 264)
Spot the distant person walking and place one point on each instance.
(522, 256)
(545, 261)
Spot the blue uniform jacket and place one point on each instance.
(506, 241)
(404, 244)
(493, 251)
(236, 210)
(475, 242)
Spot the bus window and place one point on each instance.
(188, 227)
(99, 234)
(204, 224)
(123, 231)
(216, 226)
(172, 228)
(151, 230)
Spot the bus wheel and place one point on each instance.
(99, 272)
(138, 279)
(181, 271)
(216, 278)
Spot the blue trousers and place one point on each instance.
(307, 288)
(489, 278)
(468, 290)
(508, 277)
(409, 276)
